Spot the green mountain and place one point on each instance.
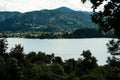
(57, 20)
(6, 15)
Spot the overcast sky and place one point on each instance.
(31, 5)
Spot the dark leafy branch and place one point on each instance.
(108, 18)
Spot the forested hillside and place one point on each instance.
(58, 20)
(6, 15)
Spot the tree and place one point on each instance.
(89, 61)
(3, 46)
(57, 70)
(42, 58)
(36, 72)
(58, 60)
(51, 57)
(17, 53)
(114, 47)
(114, 62)
(13, 70)
(108, 19)
(69, 66)
(31, 57)
(85, 65)
(2, 68)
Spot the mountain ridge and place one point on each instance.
(56, 20)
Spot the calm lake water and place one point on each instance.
(65, 48)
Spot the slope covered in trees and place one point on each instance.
(6, 15)
(57, 20)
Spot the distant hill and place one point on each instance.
(65, 9)
(6, 15)
(58, 20)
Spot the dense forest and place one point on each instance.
(16, 65)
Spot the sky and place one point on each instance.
(32, 5)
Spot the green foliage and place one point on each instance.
(57, 69)
(108, 18)
(113, 47)
(69, 66)
(89, 61)
(31, 57)
(13, 70)
(114, 62)
(2, 68)
(40, 72)
(17, 53)
(3, 46)
(113, 71)
(41, 57)
(58, 60)
(84, 67)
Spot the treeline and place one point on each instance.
(79, 33)
(16, 65)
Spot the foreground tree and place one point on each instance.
(114, 47)
(3, 46)
(113, 62)
(108, 19)
(2, 68)
(88, 63)
(17, 53)
(13, 71)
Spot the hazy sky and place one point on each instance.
(30, 5)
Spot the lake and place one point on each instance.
(65, 48)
